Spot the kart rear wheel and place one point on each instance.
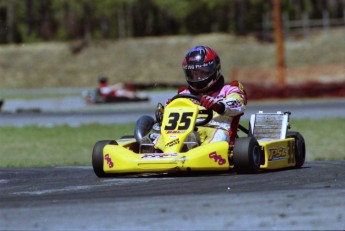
(247, 155)
(97, 157)
(299, 148)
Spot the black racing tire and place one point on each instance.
(97, 157)
(250, 133)
(246, 155)
(300, 150)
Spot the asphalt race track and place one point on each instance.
(74, 111)
(73, 198)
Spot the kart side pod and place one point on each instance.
(280, 148)
(114, 158)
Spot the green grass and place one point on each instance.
(60, 145)
(41, 93)
(64, 145)
(324, 138)
(38, 96)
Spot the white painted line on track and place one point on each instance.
(74, 167)
(104, 183)
(4, 181)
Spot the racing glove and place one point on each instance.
(167, 101)
(211, 103)
(159, 113)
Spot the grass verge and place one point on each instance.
(59, 145)
(64, 145)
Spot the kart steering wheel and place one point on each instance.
(208, 112)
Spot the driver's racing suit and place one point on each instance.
(234, 99)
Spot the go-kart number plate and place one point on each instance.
(179, 121)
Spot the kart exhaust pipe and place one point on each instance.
(143, 127)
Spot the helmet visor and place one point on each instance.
(200, 73)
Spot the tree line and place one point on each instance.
(63, 20)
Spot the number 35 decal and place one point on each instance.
(174, 118)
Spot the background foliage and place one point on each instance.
(37, 20)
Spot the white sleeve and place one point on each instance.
(105, 90)
(233, 106)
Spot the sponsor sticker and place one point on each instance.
(277, 153)
(173, 132)
(172, 143)
(291, 152)
(158, 155)
(109, 161)
(217, 158)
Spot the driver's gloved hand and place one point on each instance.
(211, 103)
(167, 101)
(159, 113)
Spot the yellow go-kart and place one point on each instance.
(175, 145)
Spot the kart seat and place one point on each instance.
(234, 128)
(269, 126)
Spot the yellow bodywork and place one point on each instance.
(178, 122)
(277, 154)
(118, 159)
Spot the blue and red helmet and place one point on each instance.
(201, 66)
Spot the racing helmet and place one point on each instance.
(201, 66)
(102, 79)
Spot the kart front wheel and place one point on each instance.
(247, 155)
(299, 148)
(97, 157)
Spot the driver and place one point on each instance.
(201, 67)
(116, 90)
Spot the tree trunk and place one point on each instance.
(87, 22)
(29, 17)
(104, 26)
(121, 28)
(10, 21)
(47, 24)
(241, 9)
(129, 20)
